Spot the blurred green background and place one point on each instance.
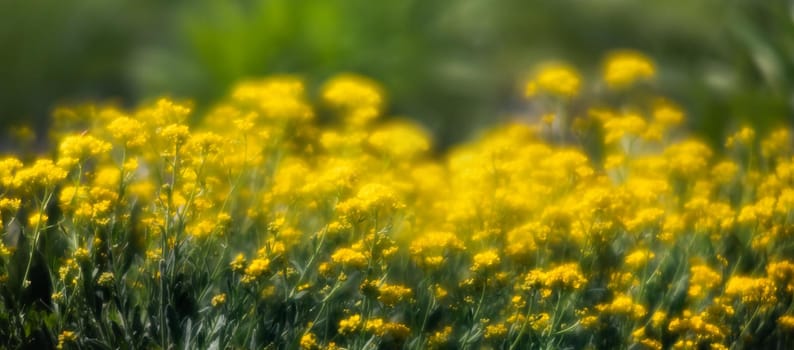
(453, 65)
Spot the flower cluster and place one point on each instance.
(276, 220)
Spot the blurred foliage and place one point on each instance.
(64, 49)
(455, 66)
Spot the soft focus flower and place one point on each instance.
(556, 79)
(623, 68)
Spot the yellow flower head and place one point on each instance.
(218, 300)
(753, 291)
(638, 258)
(66, 337)
(43, 173)
(308, 341)
(623, 68)
(399, 140)
(353, 92)
(391, 294)
(350, 324)
(485, 260)
(106, 279)
(556, 79)
(77, 148)
(128, 131)
(349, 257)
(495, 331)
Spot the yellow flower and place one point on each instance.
(563, 277)
(786, 322)
(308, 341)
(619, 126)
(350, 324)
(218, 300)
(371, 198)
(755, 291)
(256, 268)
(703, 280)
(556, 79)
(776, 143)
(485, 260)
(349, 257)
(238, 264)
(667, 114)
(724, 172)
(37, 220)
(376, 326)
(399, 140)
(744, 137)
(521, 240)
(429, 250)
(497, 330)
(782, 272)
(638, 259)
(66, 337)
(540, 322)
(623, 305)
(4, 251)
(391, 294)
(658, 318)
(10, 204)
(43, 173)
(77, 148)
(163, 112)
(688, 158)
(440, 337)
(697, 324)
(277, 99)
(353, 92)
(9, 166)
(106, 279)
(175, 134)
(623, 68)
(128, 131)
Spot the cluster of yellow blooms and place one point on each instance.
(272, 220)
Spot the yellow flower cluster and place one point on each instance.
(66, 337)
(623, 68)
(556, 79)
(563, 277)
(325, 224)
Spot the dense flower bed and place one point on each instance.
(275, 222)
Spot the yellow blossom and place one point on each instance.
(128, 131)
(349, 257)
(218, 300)
(66, 337)
(42, 173)
(348, 90)
(639, 258)
(555, 78)
(308, 341)
(391, 294)
(786, 322)
(623, 68)
(754, 291)
(106, 279)
(350, 324)
(485, 260)
(497, 330)
(79, 147)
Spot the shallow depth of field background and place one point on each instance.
(454, 66)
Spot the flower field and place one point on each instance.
(290, 217)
